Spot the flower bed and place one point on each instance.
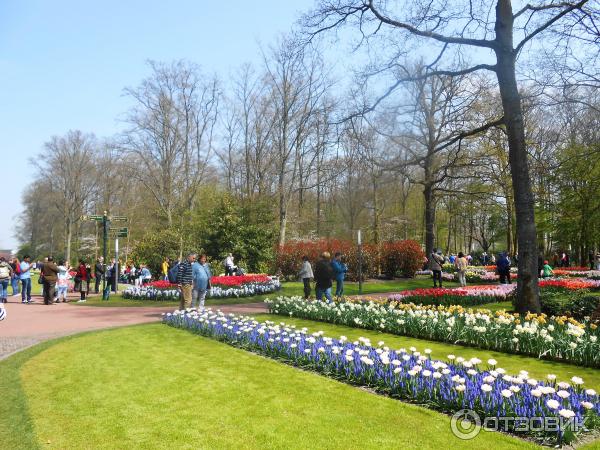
(151, 293)
(547, 338)
(447, 386)
(465, 296)
(221, 287)
(484, 276)
(237, 281)
(569, 284)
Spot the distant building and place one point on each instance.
(6, 253)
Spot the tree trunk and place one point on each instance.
(69, 237)
(282, 219)
(375, 214)
(509, 225)
(429, 219)
(527, 285)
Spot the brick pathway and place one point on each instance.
(27, 325)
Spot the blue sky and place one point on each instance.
(64, 64)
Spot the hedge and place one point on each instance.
(395, 258)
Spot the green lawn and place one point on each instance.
(512, 363)
(288, 289)
(153, 386)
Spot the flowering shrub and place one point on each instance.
(289, 257)
(401, 257)
(449, 385)
(465, 296)
(547, 338)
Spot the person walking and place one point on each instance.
(110, 279)
(6, 273)
(185, 278)
(201, 281)
(547, 271)
(435, 264)
(25, 277)
(164, 269)
(82, 280)
(323, 277)
(62, 282)
(14, 279)
(461, 264)
(99, 270)
(50, 271)
(339, 273)
(306, 274)
(503, 268)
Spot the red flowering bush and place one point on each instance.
(404, 257)
(401, 258)
(289, 257)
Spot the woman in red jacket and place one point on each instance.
(82, 278)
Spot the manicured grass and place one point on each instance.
(153, 386)
(288, 289)
(537, 368)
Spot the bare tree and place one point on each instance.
(70, 160)
(296, 87)
(170, 138)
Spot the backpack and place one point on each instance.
(4, 271)
(172, 275)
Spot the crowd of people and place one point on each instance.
(326, 271)
(502, 263)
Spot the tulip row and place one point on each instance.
(447, 386)
(464, 296)
(536, 335)
(171, 293)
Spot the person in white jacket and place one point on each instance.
(306, 274)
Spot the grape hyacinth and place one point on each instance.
(447, 386)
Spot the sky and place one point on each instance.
(64, 65)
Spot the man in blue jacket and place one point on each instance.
(503, 268)
(201, 276)
(339, 272)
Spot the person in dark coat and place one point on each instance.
(503, 268)
(323, 277)
(50, 273)
(435, 264)
(99, 269)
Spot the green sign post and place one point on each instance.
(116, 233)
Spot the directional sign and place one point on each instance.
(94, 217)
(118, 218)
(119, 232)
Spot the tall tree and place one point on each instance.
(70, 161)
(454, 28)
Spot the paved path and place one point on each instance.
(27, 325)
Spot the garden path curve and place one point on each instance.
(27, 325)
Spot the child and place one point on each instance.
(547, 270)
(62, 283)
